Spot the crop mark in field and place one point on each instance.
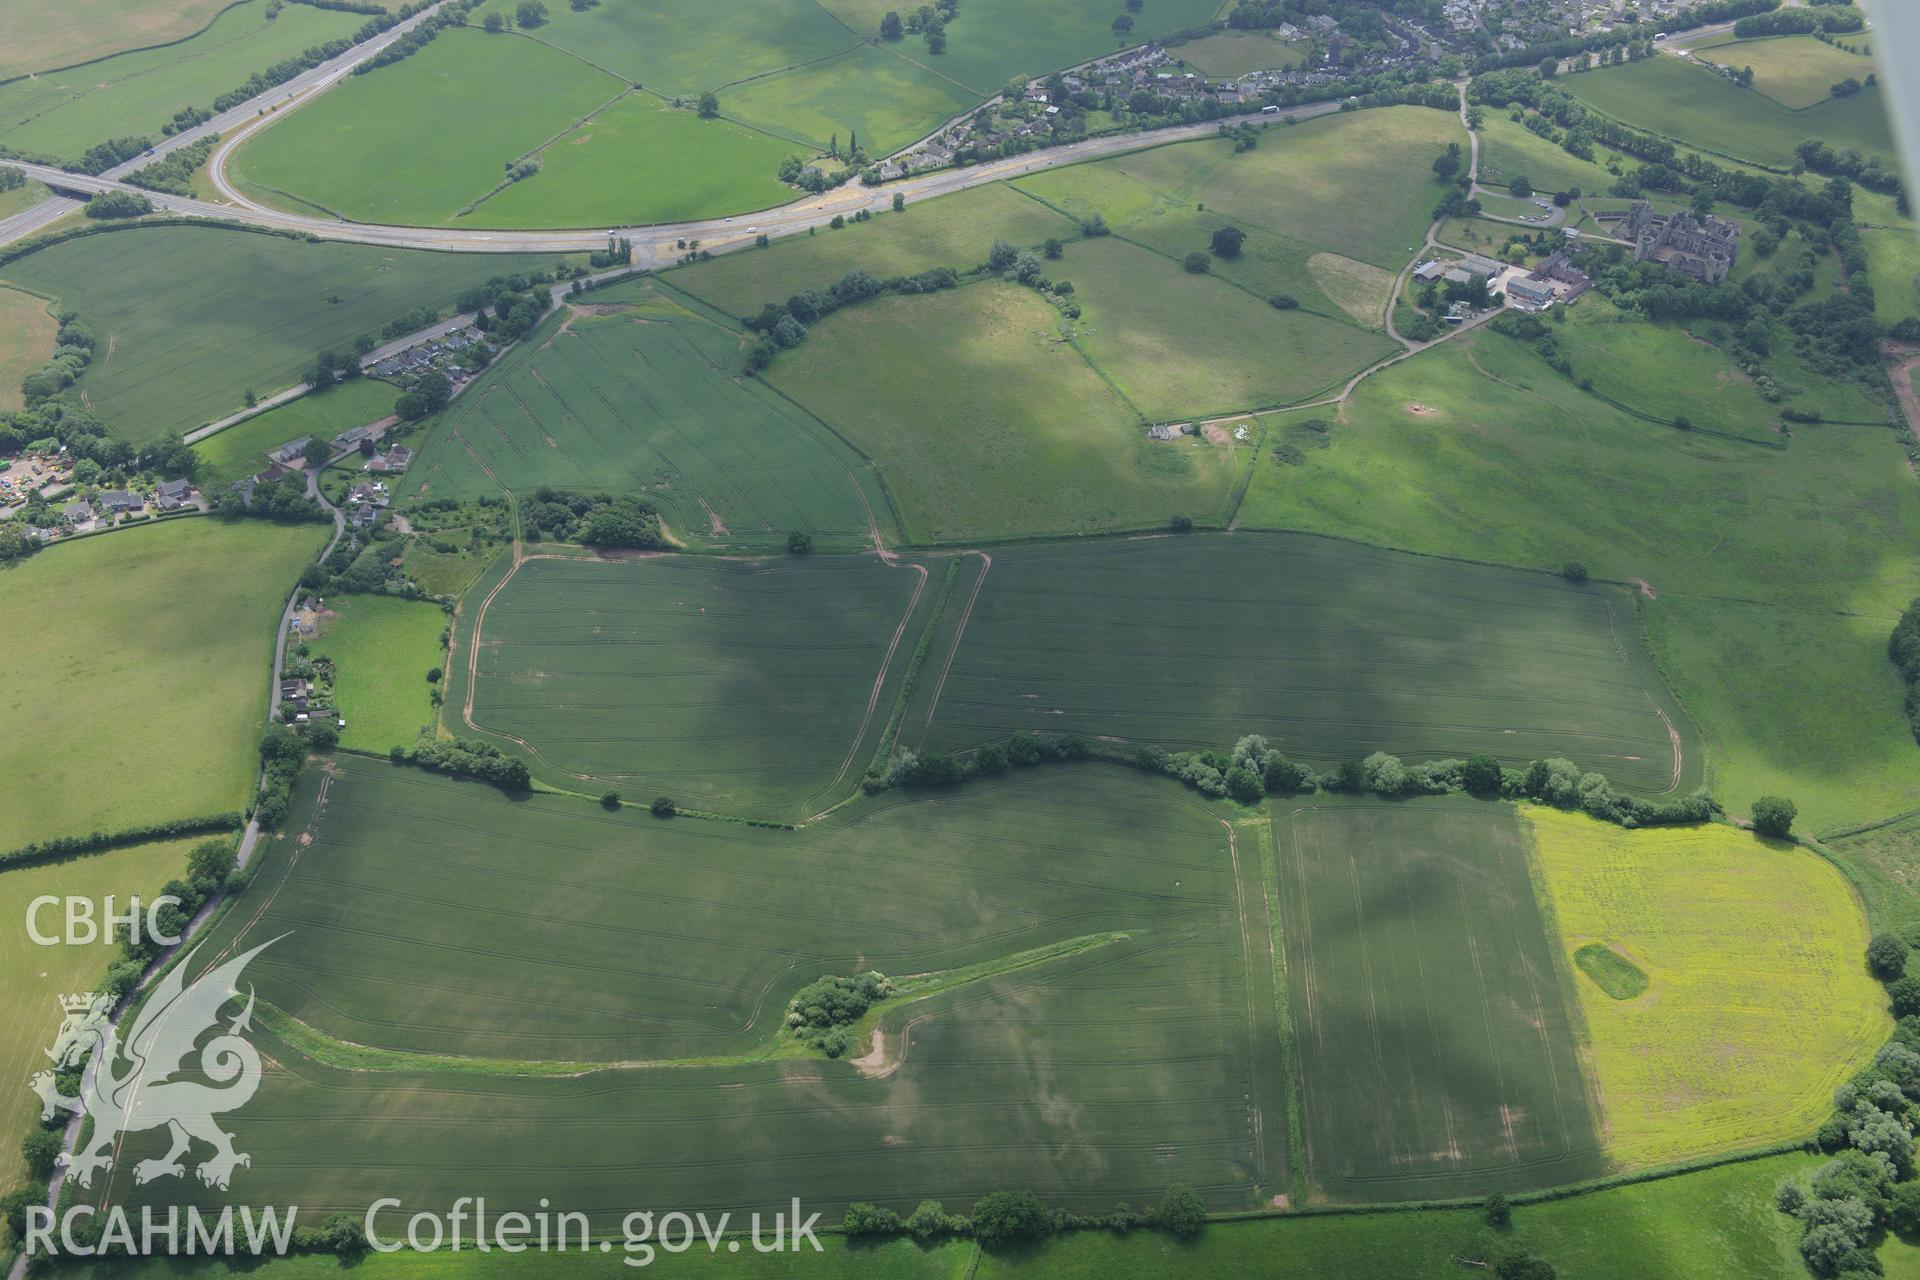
(959, 634)
(880, 678)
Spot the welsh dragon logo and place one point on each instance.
(130, 1086)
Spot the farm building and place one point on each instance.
(1532, 292)
(1429, 271)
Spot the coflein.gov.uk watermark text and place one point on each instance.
(83, 1231)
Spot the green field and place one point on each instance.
(1103, 1045)
(682, 48)
(724, 683)
(1008, 431)
(994, 40)
(1228, 54)
(1666, 96)
(1179, 345)
(954, 231)
(382, 648)
(1438, 1054)
(1358, 184)
(1666, 371)
(1509, 150)
(647, 400)
(887, 101)
(1772, 612)
(1886, 863)
(241, 450)
(243, 310)
(399, 145)
(606, 172)
(38, 976)
(44, 34)
(1759, 1004)
(26, 340)
(1893, 268)
(1795, 71)
(143, 655)
(65, 112)
(1330, 649)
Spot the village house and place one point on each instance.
(77, 513)
(120, 502)
(291, 450)
(172, 495)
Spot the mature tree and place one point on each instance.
(41, 1149)
(1887, 956)
(1774, 815)
(610, 801)
(936, 40)
(865, 1219)
(1243, 784)
(1182, 1211)
(1004, 1217)
(1227, 242)
(931, 1219)
(891, 27)
(494, 23)
(799, 543)
(663, 807)
(1499, 1210)
(1549, 68)
(316, 452)
(1520, 186)
(1574, 571)
(1447, 165)
(1197, 262)
(1903, 995)
(899, 202)
(530, 13)
(709, 106)
(1122, 25)
(1903, 1208)
(1053, 248)
(1523, 1266)
(1002, 255)
(1481, 775)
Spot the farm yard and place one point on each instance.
(724, 683)
(1738, 937)
(1012, 431)
(63, 113)
(169, 625)
(1094, 914)
(644, 400)
(244, 309)
(1438, 1055)
(1329, 649)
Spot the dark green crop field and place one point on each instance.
(242, 310)
(1330, 649)
(1100, 1045)
(1438, 1049)
(646, 401)
(724, 683)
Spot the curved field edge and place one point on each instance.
(1739, 938)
